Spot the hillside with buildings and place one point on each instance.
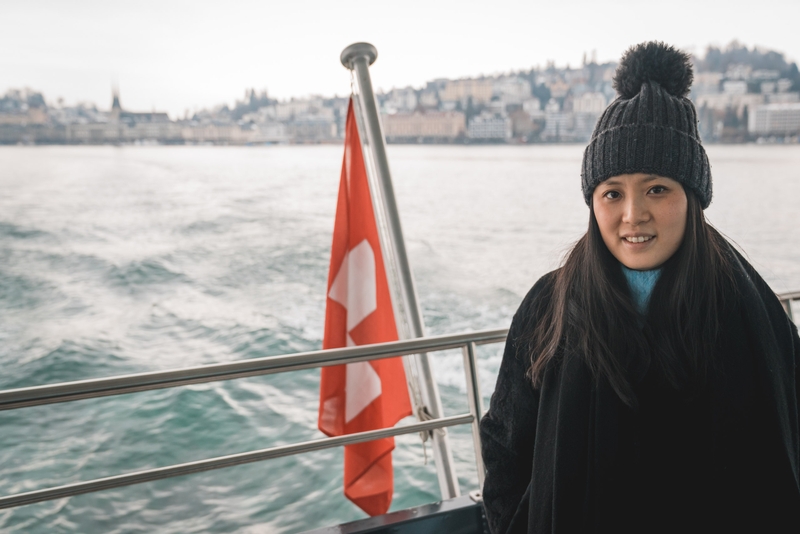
(741, 95)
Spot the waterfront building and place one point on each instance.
(559, 124)
(271, 132)
(29, 116)
(490, 126)
(424, 127)
(339, 106)
(479, 90)
(121, 126)
(218, 134)
(29, 125)
(774, 119)
(312, 128)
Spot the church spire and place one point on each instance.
(116, 108)
(115, 93)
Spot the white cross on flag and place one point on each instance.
(367, 395)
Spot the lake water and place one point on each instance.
(124, 259)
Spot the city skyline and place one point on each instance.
(741, 94)
(183, 56)
(115, 95)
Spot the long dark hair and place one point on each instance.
(589, 311)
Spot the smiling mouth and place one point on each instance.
(639, 239)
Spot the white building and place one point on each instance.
(734, 87)
(764, 74)
(311, 128)
(429, 98)
(723, 101)
(296, 107)
(533, 107)
(219, 134)
(706, 83)
(738, 71)
(262, 115)
(768, 87)
(400, 100)
(584, 124)
(270, 132)
(774, 119)
(784, 84)
(782, 98)
(512, 89)
(589, 103)
(479, 90)
(123, 126)
(490, 126)
(559, 125)
(430, 126)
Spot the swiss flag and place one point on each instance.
(367, 395)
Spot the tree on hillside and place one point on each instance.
(542, 92)
(251, 103)
(719, 59)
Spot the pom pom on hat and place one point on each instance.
(654, 61)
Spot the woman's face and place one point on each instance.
(642, 218)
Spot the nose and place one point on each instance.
(635, 210)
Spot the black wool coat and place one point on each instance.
(569, 456)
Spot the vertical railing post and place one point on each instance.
(787, 306)
(475, 405)
(358, 57)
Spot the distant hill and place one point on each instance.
(735, 54)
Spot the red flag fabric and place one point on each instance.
(366, 395)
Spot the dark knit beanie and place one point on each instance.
(651, 126)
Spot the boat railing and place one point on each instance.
(118, 385)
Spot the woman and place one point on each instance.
(651, 383)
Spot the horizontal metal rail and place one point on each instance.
(159, 473)
(84, 389)
(118, 385)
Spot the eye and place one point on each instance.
(611, 194)
(658, 189)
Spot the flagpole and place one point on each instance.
(357, 58)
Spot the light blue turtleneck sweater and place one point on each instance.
(641, 284)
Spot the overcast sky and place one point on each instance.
(175, 55)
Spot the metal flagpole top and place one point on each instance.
(357, 50)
